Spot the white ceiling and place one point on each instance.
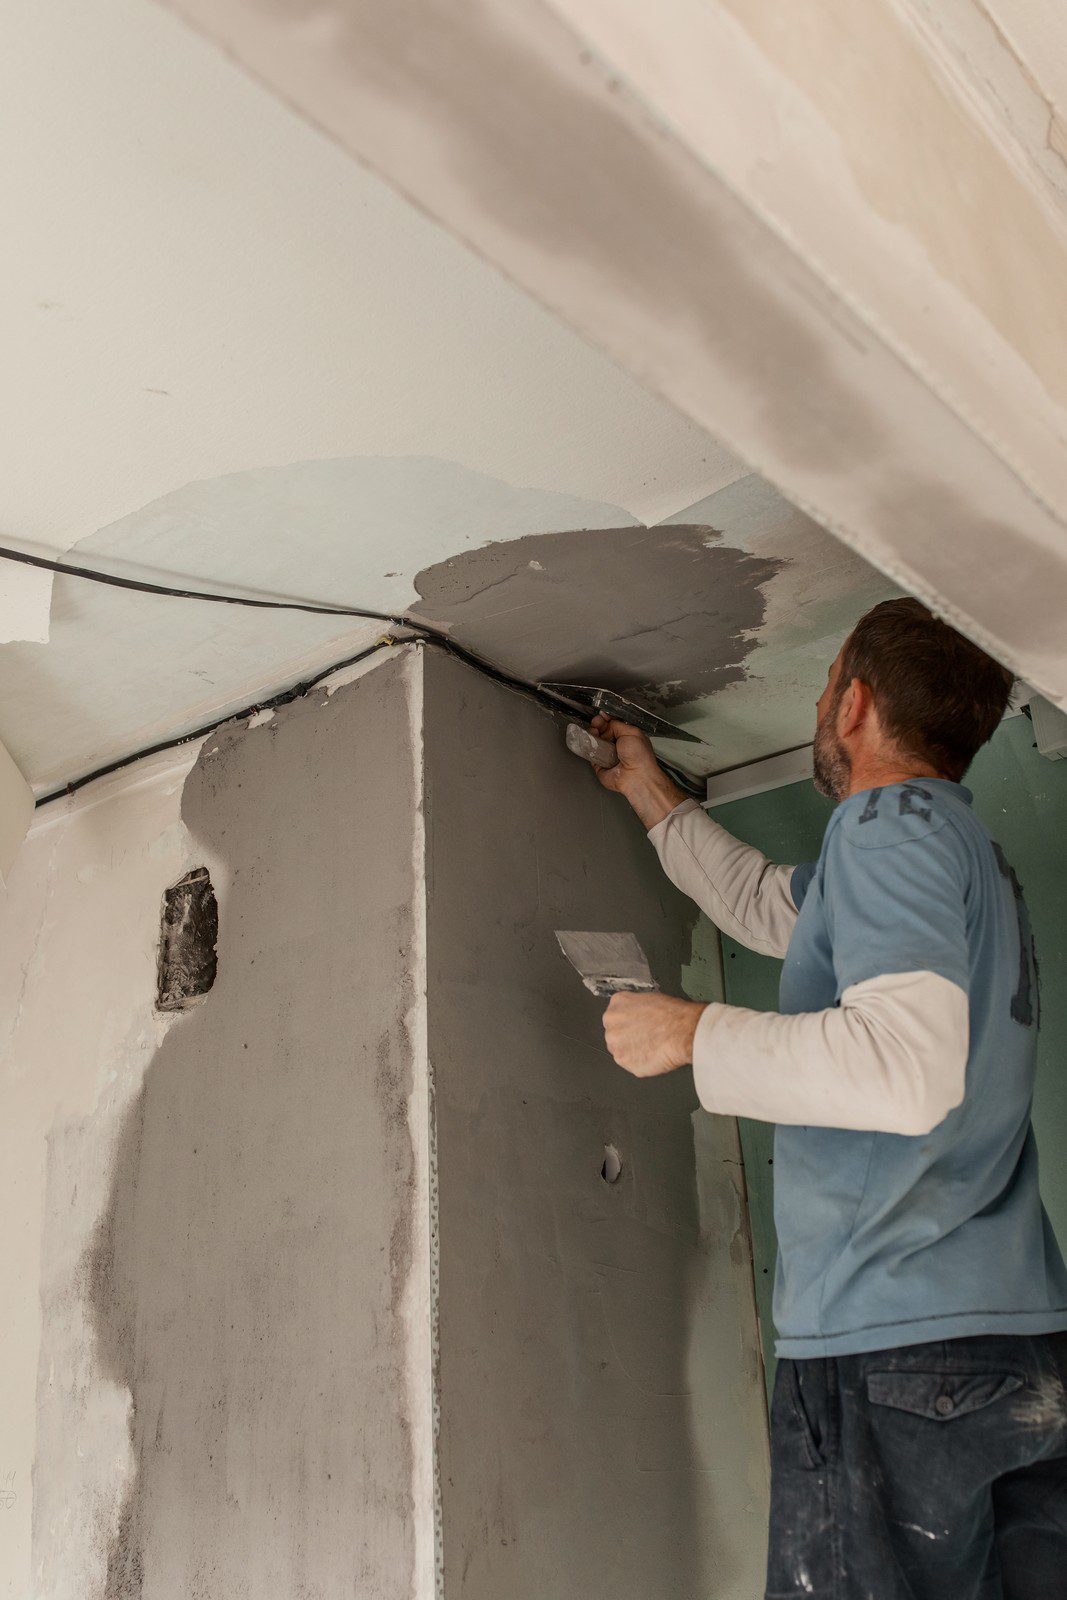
(197, 283)
(1035, 32)
(236, 357)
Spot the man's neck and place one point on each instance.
(879, 775)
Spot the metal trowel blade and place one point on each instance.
(589, 698)
(608, 963)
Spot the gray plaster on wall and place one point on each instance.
(662, 614)
(226, 1247)
(602, 1425)
(243, 1283)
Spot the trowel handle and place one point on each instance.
(598, 752)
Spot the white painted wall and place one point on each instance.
(80, 922)
(16, 811)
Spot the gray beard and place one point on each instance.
(831, 768)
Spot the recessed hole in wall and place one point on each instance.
(611, 1171)
(188, 934)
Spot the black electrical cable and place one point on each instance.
(94, 575)
(424, 630)
(283, 698)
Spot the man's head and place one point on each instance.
(906, 694)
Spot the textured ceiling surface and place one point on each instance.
(237, 358)
(730, 615)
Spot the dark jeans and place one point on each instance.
(929, 1472)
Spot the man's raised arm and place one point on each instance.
(743, 893)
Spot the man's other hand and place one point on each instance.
(650, 1034)
(637, 774)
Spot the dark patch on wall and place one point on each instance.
(244, 1281)
(110, 1294)
(188, 934)
(663, 615)
(125, 1560)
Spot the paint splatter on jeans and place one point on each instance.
(929, 1472)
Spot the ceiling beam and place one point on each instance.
(801, 225)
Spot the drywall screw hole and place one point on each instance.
(611, 1171)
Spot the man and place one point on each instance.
(919, 1423)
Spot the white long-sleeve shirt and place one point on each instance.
(890, 1056)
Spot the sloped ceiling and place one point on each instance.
(237, 358)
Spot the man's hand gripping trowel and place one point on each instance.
(589, 700)
(608, 963)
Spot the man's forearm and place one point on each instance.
(742, 892)
(739, 888)
(655, 798)
(891, 1057)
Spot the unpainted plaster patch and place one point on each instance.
(663, 614)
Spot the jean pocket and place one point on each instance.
(810, 1393)
(940, 1396)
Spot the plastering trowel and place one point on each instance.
(589, 699)
(608, 963)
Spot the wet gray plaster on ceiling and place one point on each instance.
(661, 614)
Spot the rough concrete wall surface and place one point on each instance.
(247, 1268)
(224, 1404)
(601, 1409)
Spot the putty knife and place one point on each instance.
(608, 963)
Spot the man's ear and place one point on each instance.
(857, 704)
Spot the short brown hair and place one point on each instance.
(939, 697)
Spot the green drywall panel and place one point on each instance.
(787, 825)
(1022, 798)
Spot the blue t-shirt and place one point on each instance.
(887, 1239)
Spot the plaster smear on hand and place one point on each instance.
(661, 614)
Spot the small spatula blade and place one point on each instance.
(608, 963)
